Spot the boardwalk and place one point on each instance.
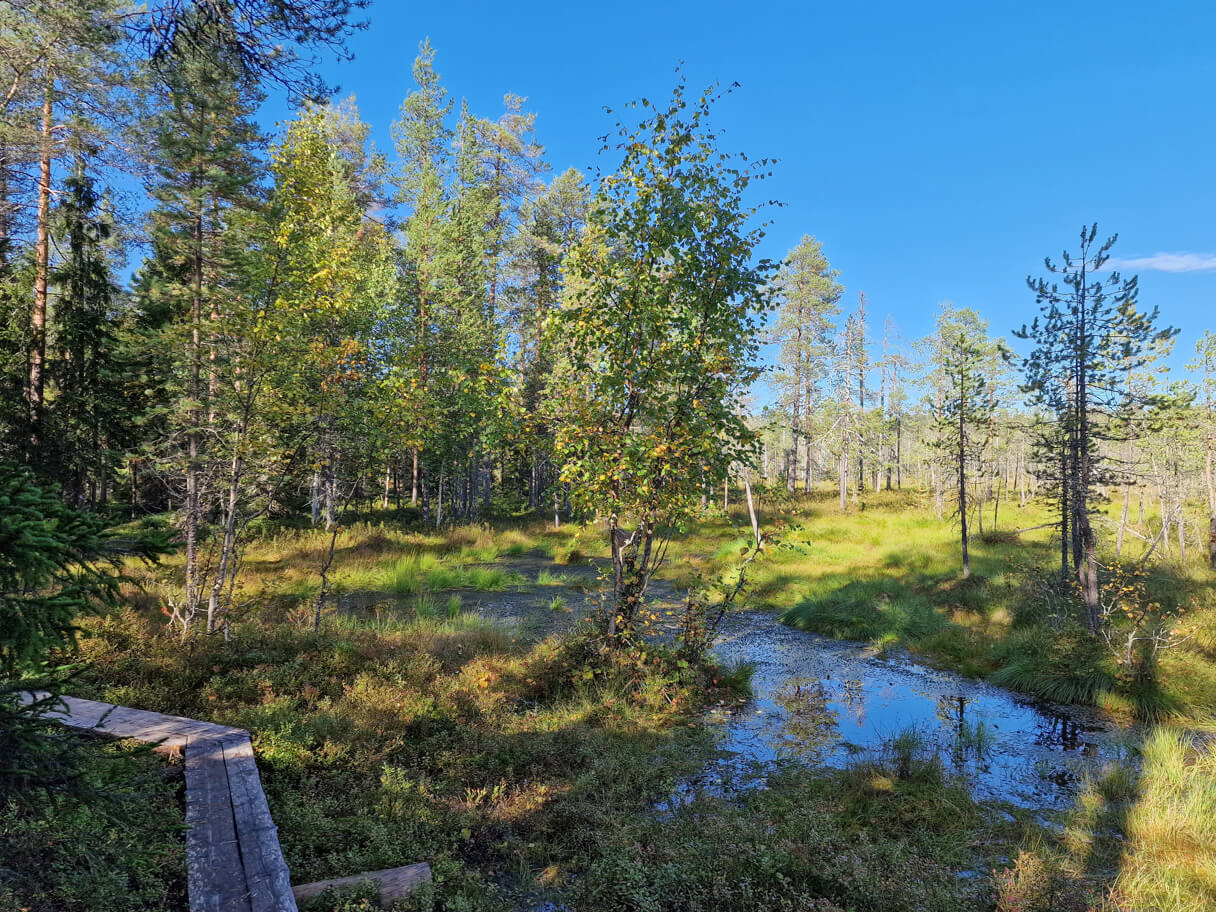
(233, 859)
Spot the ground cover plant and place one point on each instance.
(123, 850)
(518, 769)
(391, 739)
(521, 768)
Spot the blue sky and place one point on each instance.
(938, 150)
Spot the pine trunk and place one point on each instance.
(42, 252)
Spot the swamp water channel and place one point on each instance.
(823, 701)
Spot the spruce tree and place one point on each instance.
(91, 414)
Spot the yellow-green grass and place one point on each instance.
(282, 567)
(1169, 862)
(1134, 841)
(888, 572)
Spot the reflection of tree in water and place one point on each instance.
(854, 697)
(971, 738)
(810, 722)
(952, 711)
(1065, 733)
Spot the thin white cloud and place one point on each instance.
(1165, 262)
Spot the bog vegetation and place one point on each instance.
(290, 429)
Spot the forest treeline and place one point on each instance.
(312, 325)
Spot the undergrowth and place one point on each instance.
(123, 850)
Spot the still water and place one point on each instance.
(824, 701)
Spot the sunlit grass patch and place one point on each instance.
(1170, 859)
(548, 577)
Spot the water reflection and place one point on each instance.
(822, 701)
(810, 723)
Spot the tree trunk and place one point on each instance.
(751, 506)
(414, 479)
(1207, 475)
(808, 481)
(1127, 496)
(844, 473)
(42, 251)
(1065, 515)
(962, 481)
(228, 546)
(899, 439)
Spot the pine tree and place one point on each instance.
(551, 225)
(809, 298)
(421, 138)
(1088, 332)
(56, 564)
(207, 174)
(966, 408)
(68, 91)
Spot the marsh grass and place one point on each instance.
(415, 736)
(1138, 838)
(887, 573)
(1170, 858)
(890, 832)
(430, 735)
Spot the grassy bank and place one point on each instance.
(887, 572)
(504, 764)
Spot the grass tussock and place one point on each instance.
(1170, 861)
(1137, 839)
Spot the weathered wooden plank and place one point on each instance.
(394, 883)
(124, 722)
(233, 859)
(214, 870)
(87, 713)
(266, 872)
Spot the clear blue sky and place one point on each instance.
(939, 150)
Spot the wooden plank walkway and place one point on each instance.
(233, 859)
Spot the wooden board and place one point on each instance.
(214, 870)
(394, 883)
(234, 862)
(124, 722)
(266, 873)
